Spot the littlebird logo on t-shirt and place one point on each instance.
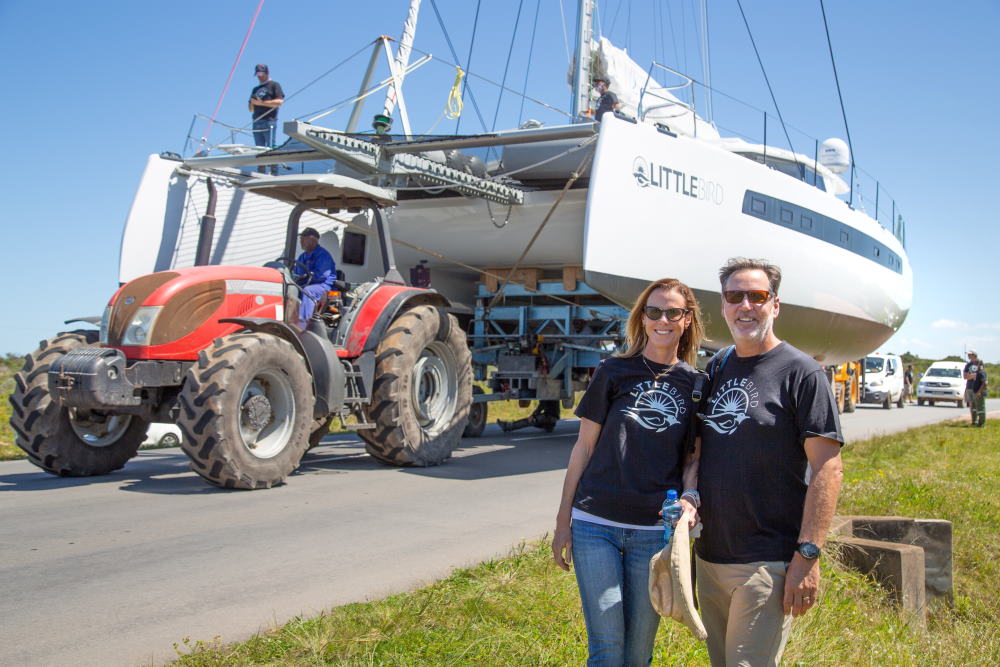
(656, 406)
(730, 403)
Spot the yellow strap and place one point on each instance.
(454, 107)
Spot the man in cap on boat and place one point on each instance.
(265, 98)
(607, 101)
(770, 417)
(322, 271)
(975, 388)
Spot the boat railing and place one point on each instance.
(755, 126)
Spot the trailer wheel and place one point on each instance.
(65, 441)
(422, 389)
(478, 416)
(246, 411)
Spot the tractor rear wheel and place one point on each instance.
(422, 389)
(66, 441)
(246, 411)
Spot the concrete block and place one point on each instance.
(898, 567)
(934, 536)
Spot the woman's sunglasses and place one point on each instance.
(673, 314)
(754, 296)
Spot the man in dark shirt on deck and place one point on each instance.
(265, 98)
(770, 416)
(607, 101)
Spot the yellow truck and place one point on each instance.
(846, 381)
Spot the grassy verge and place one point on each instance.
(523, 611)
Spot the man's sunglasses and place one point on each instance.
(754, 296)
(673, 314)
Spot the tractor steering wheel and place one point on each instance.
(292, 263)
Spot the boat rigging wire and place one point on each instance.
(562, 17)
(506, 67)
(770, 90)
(527, 69)
(232, 71)
(468, 62)
(454, 55)
(840, 96)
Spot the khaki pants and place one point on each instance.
(741, 606)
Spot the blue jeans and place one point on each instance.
(264, 133)
(612, 572)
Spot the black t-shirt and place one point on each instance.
(605, 102)
(751, 475)
(269, 90)
(973, 367)
(640, 452)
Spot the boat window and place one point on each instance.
(758, 205)
(786, 216)
(807, 222)
(945, 373)
(845, 238)
(874, 364)
(353, 250)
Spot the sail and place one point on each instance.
(634, 86)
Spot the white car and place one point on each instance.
(883, 380)
(162, 435)
(943, 381)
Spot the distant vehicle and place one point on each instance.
(883, 380)
(943, 381)
(162, 435)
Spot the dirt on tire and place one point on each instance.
(246, 411)
(422, 389)
(59, 440)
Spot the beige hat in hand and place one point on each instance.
(670, 582)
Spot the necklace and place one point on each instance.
(661, 374)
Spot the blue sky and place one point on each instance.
(94, 88)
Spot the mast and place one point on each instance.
(581, 58)
(706, 62)
(402, 58)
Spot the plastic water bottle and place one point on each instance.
(672, 511)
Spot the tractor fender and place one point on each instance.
(325, 367)
(378, 311)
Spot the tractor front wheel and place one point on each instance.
(66, 441)
(422, 389)
(246, 411)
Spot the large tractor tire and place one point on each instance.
(65, 441)
(422, 389)
(246, 411)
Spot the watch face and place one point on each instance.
(809, 550)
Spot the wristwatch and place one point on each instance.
(808, 550)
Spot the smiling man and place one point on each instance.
(770, 417)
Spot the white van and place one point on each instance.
(943, 381)
(883, 380)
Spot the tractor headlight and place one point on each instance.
(105, 320)
(140, 328)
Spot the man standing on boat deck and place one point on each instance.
(771, 415)
(607, 101)
(322, 271)
(265, 98)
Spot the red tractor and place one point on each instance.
(215, 349)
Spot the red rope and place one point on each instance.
(243, 47)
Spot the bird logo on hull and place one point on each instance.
(656, 407)
(640, 170)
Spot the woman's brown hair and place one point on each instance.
(694, 334)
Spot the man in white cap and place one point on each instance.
(975, 388)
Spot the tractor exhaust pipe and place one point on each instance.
(207, 232)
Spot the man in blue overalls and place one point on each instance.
(322, 271)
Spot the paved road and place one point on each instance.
(114, 570)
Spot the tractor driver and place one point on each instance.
(322, 271)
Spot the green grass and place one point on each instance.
(9, 365)
(522, 610)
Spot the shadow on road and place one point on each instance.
(167, 471)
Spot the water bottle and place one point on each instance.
(672, 511)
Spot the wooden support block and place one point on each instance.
(528, 276)
(571, 275)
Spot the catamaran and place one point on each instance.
(647, 191)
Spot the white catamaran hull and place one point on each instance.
(657, 205)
